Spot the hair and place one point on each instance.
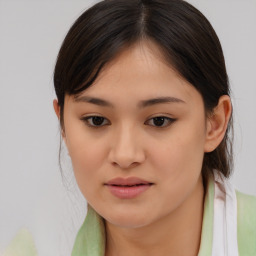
(183, 34)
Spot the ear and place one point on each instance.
(217, 123)
(56, 107)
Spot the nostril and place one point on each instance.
(126, 158)
(125, 164)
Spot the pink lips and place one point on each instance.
(128, 188)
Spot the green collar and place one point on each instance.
(90, 240)
(207, 228)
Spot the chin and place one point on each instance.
(126, 220)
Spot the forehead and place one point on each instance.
(140, 72)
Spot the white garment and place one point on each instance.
(225, 218)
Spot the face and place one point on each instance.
(136, 139)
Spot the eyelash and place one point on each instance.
(86, 121)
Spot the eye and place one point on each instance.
(95, 121)
(160, 121)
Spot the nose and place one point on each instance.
(126, 150)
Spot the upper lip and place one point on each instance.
(127, 181)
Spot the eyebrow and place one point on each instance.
(141, 104)
(159, 100)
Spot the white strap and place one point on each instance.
(225, 218)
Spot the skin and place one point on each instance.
(168, 216)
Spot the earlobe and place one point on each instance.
(217, 123)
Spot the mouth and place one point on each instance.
(125, 186)
(128, 188)
(130, 181)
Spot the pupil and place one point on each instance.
(97, 120)
(159, 121)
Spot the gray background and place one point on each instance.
(32, 192)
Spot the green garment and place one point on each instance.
(90, 240)
(246, 228)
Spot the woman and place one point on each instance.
(144, 108)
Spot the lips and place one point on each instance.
(128, 188)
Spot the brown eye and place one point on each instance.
(160, 121)
(95, 121)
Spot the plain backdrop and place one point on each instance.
(33, 193)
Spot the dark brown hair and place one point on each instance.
(185, 37)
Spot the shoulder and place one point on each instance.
(21, 245)
(246, 221)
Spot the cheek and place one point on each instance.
(178, 162)
(181, 152)
(87, 156)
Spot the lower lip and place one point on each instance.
(128, 192)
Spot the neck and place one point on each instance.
(178, 233)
